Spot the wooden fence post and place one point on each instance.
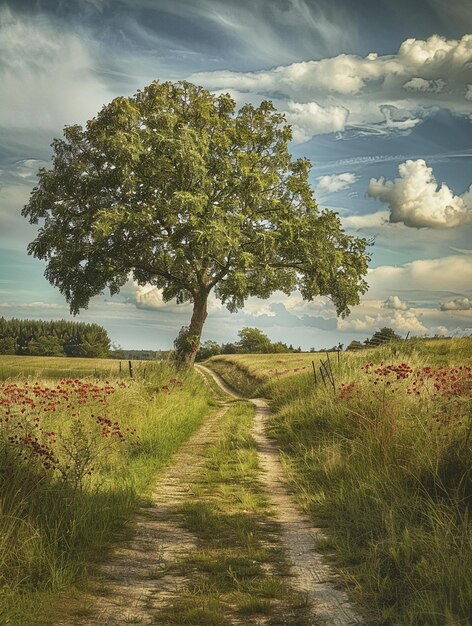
(130, 366)
(314, 371)
(322, 375)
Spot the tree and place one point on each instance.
(173, 187)
(7, 345)
(208, 349)
(253, 340)
(45, 346)
(384, 335)
(355, 345)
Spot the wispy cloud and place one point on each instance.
(47, 74)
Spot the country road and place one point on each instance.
(141, 579)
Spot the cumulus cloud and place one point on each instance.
(458, 304)
(383, 94)
(149, 297)
(416, 200)
(394, 302)
(311, 119)
(402, 321)
(447, 274)
(336, 182)
(421, 84)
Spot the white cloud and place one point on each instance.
(467, 197)
(394, 302)
(335, 182)
(401, 321)
(35, 306)
(311, 119)
(47, 75)
(27, 169)
(468, 92)
(459, 304)
(421, 84)
(371, 220)
(416, 201)
(383, 94)
(150, 297)
(447, 274)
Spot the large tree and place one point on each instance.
(176, 189)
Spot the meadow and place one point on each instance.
(59, 367)
(383, 458)
(78, 455)
(249, 372)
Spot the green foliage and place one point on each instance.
(355, 345)
(379, 338)
(46, 346)
(174, 187)
(53, 338)
(208, 349)
(8, 345)
(384, 335)
(253, 340)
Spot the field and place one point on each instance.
(383, 457)
(57, 367)
(248, 372)
(77, 456)
(378, 450)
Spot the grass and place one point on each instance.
(237, 568)
(248, 373)
(57, 367)
(56, 520)
(385, 462)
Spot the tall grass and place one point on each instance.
(385, 461)
(248, 373)
(57, 517)
(12, 366)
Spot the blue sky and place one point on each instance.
(380, 100)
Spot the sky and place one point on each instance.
(379, 99)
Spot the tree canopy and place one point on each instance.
(175, 188)
(53, 338)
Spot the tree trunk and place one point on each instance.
(199, 316)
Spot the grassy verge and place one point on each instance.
(386, 461)
(248, 373)
(76, 459)
(237, 569)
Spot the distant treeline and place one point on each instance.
(380, 337)
(57, 338)
(139, 355)
(251, 341)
